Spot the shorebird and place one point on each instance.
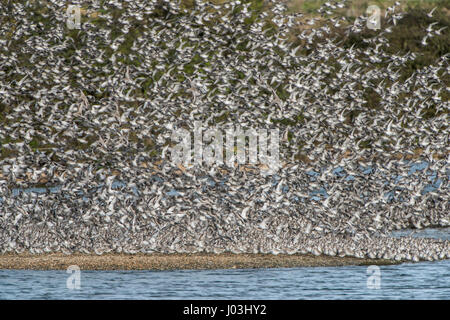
(430, 14)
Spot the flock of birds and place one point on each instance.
(89, 113)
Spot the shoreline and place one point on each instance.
(177, 261)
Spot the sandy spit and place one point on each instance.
(58, 261)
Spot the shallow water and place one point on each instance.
(435, 233)
(424, 280)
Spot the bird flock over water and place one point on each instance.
(86, 118)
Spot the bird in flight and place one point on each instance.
(438, 32)
(430, 14)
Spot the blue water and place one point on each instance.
(426, 280)
(435, 233)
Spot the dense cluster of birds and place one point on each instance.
(88, 113)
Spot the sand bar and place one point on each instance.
(58, 261)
